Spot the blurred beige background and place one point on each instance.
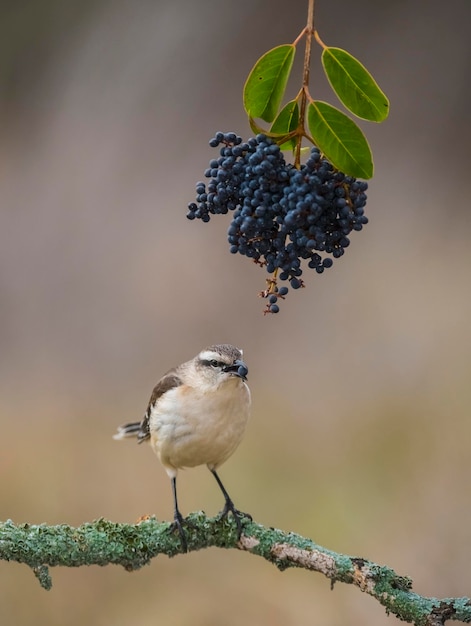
(360, 437)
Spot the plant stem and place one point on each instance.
(307, 63)
(319, 40)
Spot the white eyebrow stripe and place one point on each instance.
(209, 355)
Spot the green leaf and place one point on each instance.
(286, 122)
(287, 119)
(255, 128)
(266, 83)
(340, 139)
(354, 85)
(282, 139)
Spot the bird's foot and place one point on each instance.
(177, 525)
(239, 516)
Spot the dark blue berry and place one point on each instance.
(281, 214)
(242, 371)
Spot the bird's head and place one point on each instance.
(220, 363)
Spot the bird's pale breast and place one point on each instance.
(190, 427)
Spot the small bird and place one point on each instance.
(197, 415)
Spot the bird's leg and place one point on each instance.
(229, 506)
(178, 519)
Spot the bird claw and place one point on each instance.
(177, 525)
(239, 516)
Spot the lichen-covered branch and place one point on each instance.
(133, 545)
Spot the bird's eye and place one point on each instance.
(214, 363)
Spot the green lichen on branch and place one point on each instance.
(134, 545)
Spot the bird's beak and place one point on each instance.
(238, 368)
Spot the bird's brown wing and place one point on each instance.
(169, 381)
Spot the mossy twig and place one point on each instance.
(133, 545)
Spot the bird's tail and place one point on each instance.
(132, 429)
